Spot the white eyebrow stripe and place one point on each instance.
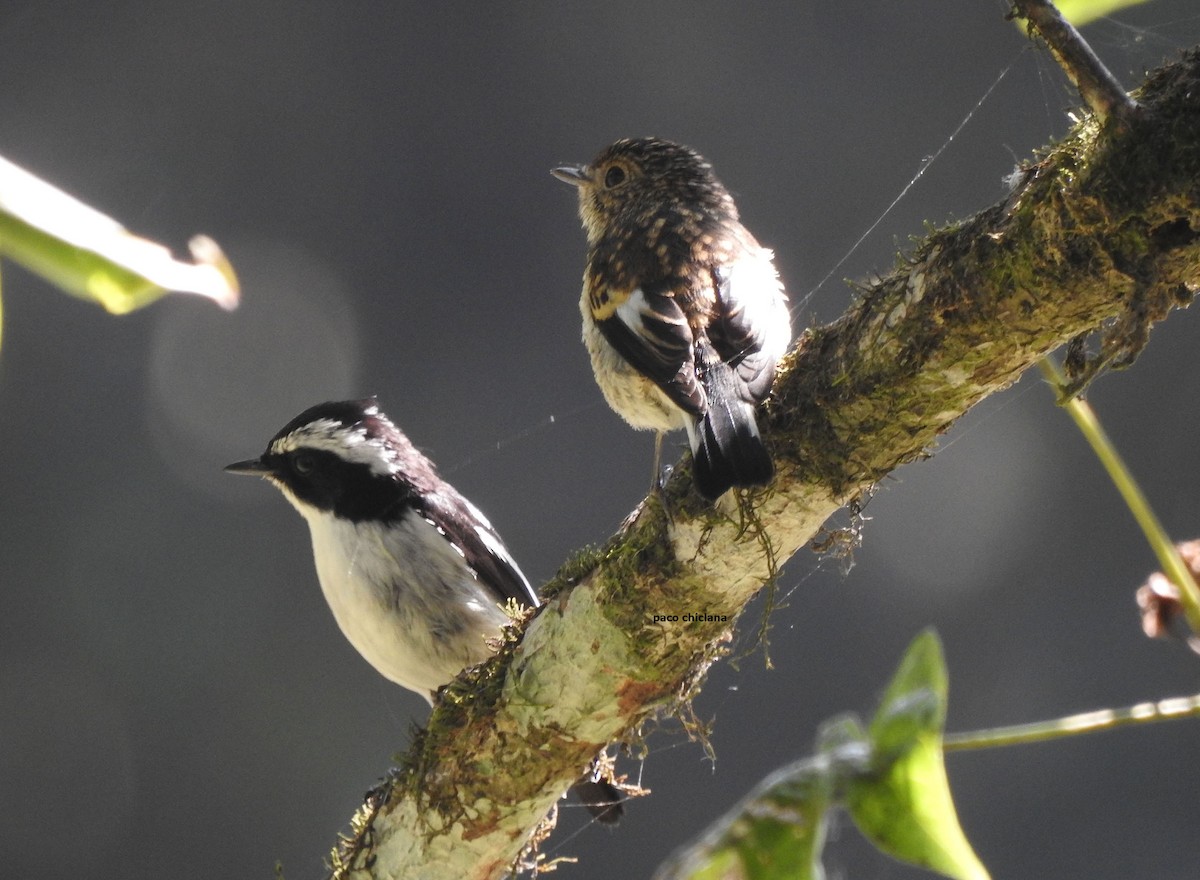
(351, 444)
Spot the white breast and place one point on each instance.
(404, 597)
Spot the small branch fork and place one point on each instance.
(1098, 88)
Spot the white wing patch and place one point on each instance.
(759, 292)
(634, 312)
(630, 312)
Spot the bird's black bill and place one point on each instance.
(251, 467)
(572, 174)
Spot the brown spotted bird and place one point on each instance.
(684, 316)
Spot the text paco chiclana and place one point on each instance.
(689, 617)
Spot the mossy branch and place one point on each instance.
(1100, 233)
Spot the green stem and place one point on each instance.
(1168, 555)
(1087, 722)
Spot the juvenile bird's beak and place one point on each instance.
(572, 174)
(253, 467)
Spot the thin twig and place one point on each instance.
(1072, 725)
(1098, 88)
(1164, 548)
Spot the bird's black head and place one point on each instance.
(634, 182)
(345, 458)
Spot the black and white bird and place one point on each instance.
(414, 573)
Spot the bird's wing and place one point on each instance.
(751, 329)
(650, 331)
(469, 530)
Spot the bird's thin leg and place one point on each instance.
(656, 482)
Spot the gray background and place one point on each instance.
(175, 699)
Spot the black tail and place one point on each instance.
(602, 799)
(727, 449)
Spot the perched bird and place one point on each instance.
(684, 316)
(415, 575)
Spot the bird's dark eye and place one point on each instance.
(615, 176)
(303, 463)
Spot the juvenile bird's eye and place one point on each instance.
(615, 176)
(303, 463)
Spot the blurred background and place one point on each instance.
(175, 698)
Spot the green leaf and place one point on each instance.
(775, 832)
(1080, 12)
(890, 776)
(90, 255)
(903, 804)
